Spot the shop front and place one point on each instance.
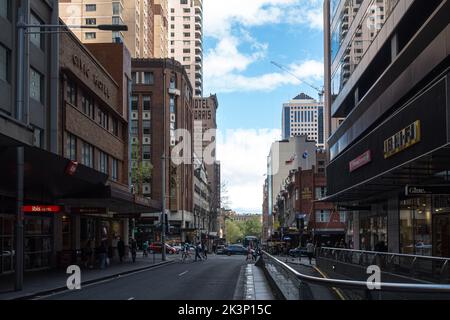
(396, 178)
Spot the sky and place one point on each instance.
(241, 38)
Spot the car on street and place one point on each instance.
(236, 249)
(156, 247)
(220, 249)
(298, 252)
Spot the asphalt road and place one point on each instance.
(213, 279)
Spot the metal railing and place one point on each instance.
(434, 269)
(294, 285)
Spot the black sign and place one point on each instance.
(412, 190)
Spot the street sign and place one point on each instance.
(411, 190)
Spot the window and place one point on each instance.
(146, 155)
(103, 119)
(71, 92)
(183, 1)
(87, 155)
(115, 126)
(91, 7)
(87, 105)
(187, 43)
(5, 9)
(115, 20)
(146, 103)
(134, 103)
(186, 10)
(36, 38)
(146, 126)
(90, 35)
(186, 19)
(186, 26)
(173, 82)
(134, 127)
(114, 169)
(91, 21)
(186, 34)
(148, 78)
(36, 85)
(103, 162)
(135, 77)
(116, 8)
(186, 59)
(342, 217)
(172, 104)
(322, 216)
(71, 147)
(186, 50)
(5, 64)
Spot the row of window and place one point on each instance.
(88, 108)
(146, 127)
(136, 152)
(143, 77)
(87, 157)
(146, 103)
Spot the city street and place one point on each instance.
(214, 279)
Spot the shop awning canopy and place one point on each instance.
(430, 169)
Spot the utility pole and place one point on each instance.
(163, 171)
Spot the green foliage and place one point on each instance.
(237, 230)
(252, 227)
(233, 232)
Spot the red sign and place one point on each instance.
(71, 168)
(361, 161)
(40, 208)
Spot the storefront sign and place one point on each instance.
(411, 190)
(306, 194)
(361, 161)
(40, 208)
(402, 140)
(81, 65)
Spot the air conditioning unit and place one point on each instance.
(172, 117)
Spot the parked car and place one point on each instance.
(220, 249)
(236, 249)
(178, 247)
(298, 252)
(156, 247)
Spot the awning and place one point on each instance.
(45, 178)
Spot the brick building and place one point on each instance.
(161, 108)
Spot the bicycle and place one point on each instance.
(186, 256)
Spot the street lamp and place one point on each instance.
(23, 29)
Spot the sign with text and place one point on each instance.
(89, 210)
(41, 208)
(412, 190)
(361, 161)
(402, 140)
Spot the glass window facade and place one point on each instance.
(373, 232)
(36, 85)
(5, 64)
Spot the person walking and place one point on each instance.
(249, 253)
(133, 249)
(310, 250)
(121, 249)
(103, 254)
(205, 251)
(198, 248)
(114, 250)
(145, 249)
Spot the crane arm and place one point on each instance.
(292, 74)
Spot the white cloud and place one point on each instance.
(243, 154)
(229, 22)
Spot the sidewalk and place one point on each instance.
(44, 282)
(256, 286)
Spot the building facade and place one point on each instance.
(304, 116)
(160, 29)
(186, 38)
(391, 147)
(138, 15)
(162, 116)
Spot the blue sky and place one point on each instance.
(240, 40)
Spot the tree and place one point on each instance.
(233, 232)
(141, 171)
(251, 227)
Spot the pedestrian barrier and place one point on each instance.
(295, 285)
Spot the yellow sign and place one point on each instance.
(402, 140)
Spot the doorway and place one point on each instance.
(441, 235)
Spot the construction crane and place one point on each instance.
(285, 69)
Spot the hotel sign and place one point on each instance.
(402, 140)
(41, 209)
(84, 69)
(361, 161)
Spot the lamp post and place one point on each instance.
(23, 30)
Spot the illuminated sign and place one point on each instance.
(40, 208)
(361, 161)
(411, 190)
(402, 140)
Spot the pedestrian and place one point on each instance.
(114, 251)
(214, 248)
(133, 249)
(121, 249)
(145, 249)
(205, 251)
(103, 254)
(310, 250)
(249, 253)
(198, 248)
(87, 254)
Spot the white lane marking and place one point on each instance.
(183, 273)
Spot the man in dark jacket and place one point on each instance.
(121, 249)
